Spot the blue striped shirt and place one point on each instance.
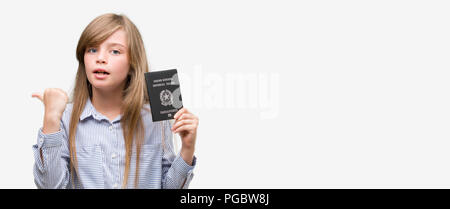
(101, 155)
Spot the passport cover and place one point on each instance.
(163, 89)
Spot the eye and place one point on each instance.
(115, 52)
(92, 50)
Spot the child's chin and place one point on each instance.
(101, 85)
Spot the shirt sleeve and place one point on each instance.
(177, 174)
(52, 170)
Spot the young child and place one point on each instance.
(105, 137)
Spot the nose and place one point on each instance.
(101, 61)
(101, 58)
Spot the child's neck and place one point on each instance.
(108, 103)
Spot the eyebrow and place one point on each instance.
(116, 44)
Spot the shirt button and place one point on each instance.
(115, 185)
(111, 128)
(41, 140)
(113, 155)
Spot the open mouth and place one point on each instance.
(100, 72)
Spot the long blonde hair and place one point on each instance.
(134, 93)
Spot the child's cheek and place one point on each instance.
(88, 60)
(121, 67)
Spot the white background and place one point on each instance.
(363, 86)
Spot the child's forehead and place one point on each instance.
(118, 38)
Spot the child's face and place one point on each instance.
(107, 65)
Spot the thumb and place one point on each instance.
(38, 95)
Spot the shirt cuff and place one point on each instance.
(183, 168)
(49, 140)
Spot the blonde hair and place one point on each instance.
(134, 92)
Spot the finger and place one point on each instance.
(181, 123)
(38, 95)
(63, 92)
(181, 111)
(186, 116)
(189, 128)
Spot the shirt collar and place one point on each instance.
(89, 110)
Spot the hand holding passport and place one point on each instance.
(163, 89)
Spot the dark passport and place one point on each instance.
(163, 89)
